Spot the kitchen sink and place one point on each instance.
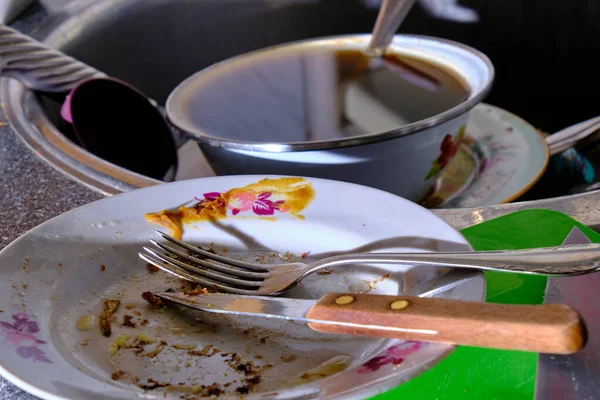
(154, 45)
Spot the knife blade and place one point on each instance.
(571, 376)
(575, 236)
(543, 328)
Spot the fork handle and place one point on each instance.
(551, 261)
(547, 328)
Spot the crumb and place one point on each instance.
(85, 323)
(118, 375)
(117, 343)
(152, 384)
(255, 380)
(169, 290)
(196, 292)
(243, 390)
(258, 357)
(188, 364)
(25, 263)
(263, 340)
(110, 307)
(151, 298)
(24, 286)
(144, 339)
(155, 352)
(130, 306)
(136, 312)
(288, 358)
(325, 272)
(127, 321)
(84, 343)
(184, 346)
(305, 376)
(303, 255)
(102, 267)
(152, 268)
(144, 322)
(206, 351)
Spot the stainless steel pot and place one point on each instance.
(395, 160)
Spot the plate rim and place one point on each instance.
(524, 188)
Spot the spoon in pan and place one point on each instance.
(391, 15)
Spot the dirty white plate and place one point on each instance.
(64, 269)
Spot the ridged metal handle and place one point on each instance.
(563, 139)
(39, 67)
(551, 261)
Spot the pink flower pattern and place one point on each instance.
(394, 355)
(21, 336)
(258, 203)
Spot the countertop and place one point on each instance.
(31, 192)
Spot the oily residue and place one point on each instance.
(264, 199)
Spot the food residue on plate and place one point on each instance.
(263, 198)
(109, 308)
(328, 368)
(85, 323)
(164, 348)
(196, 291)
(152, 268)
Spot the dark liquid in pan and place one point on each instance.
(320, 93)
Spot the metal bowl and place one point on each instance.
(397, 160)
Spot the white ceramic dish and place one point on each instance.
(61, 271)
(502, 156)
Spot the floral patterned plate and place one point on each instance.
(501, 157)
(73, 324)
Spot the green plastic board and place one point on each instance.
(474, 373)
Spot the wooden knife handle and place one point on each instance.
(545, 328)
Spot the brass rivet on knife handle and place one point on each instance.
(343, 300)
(541, 328)
(399, 305)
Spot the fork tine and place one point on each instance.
(216, 265)
(210, 255)
(202, 272)
(183, 274)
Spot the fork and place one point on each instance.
(226, 274)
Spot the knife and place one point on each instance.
(571, 376)
(543, 328)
